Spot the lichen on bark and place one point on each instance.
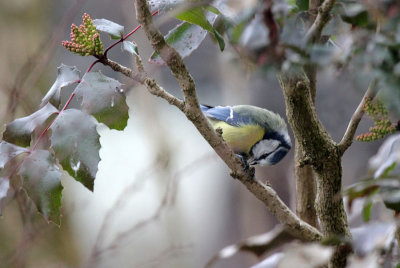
(323, 155)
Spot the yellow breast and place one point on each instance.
(240, 138)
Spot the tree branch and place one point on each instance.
(324, 157)
(191, 109)
(314, 33)
(347, 139)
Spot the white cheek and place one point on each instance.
(265, 147)
(264, 162)
(287, 139)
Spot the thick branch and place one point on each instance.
(347, 139)
(306, 189)
(324, 156)
(314, 33)
(192, 110)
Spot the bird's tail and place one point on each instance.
(205, 108)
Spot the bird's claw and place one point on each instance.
(248, 170)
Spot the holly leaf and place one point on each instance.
(302, 4)
(20, 130)
(367, 210)
(66, 76)
(41, 178)
(356, 14)
(4, 187)
(8, 152)
(130, 47)
(75, 141)
(115, 30)
(383, 163)
(198, 17)
(184, 38)
(258, 245)
(372, 236)
(103, 97)
(164, 5)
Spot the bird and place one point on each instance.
(258, 136)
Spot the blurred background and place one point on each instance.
(162, 197)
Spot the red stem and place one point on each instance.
(123, 38)
(51, 123)
(91, 66)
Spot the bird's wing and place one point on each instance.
(224, 113)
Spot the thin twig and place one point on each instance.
(98, 247)
(168, 200)
(348, 136)
(314, 33)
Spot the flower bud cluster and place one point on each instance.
(85, 39)
(377, 110)
(376, 132)
(383, 126)
(369, 137)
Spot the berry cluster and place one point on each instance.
(85, 40)
(383, 126)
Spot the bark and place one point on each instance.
(323, 155)
(306, 189)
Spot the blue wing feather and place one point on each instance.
(224, 113)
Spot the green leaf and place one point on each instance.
(235, 28)
(66, 76)
(184, 38)
(356, 14)
(4, 188)
(220, 39)
(166, 5)
(75, 141)
(391, 197)
(366, 212)
(387, 171)
(8, 152)
(20, 130)
(258, 245)
(103, 97)
(372, 237)
(198, 17)
(302, 4)
(212, 9)
(41, 179)
(115, 30)
(130, 47)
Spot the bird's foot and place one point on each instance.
(248, 170)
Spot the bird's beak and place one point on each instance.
(251, 162)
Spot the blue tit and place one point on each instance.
(257, 135)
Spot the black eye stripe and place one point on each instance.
(278, 137)
(267, 154)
